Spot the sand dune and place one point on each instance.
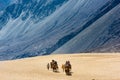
(84, 67)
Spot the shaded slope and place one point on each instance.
(39, 27)
(96, 35)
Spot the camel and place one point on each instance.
(67, 68)
(54, 66)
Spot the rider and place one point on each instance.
(67, 68)
(54, 65)
(67, 64)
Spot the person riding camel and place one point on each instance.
(54, 65)
(68, 62)
(67, 68)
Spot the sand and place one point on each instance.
(102, 66)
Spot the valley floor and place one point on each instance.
(100, 66)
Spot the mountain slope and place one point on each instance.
(39, 27)
(101, 32)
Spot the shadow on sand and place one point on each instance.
(56, 71)
(69, 74)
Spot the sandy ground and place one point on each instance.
(84, 67)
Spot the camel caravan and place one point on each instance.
(65, 67)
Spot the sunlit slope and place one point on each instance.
(84, 67)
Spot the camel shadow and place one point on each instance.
(69, 74)
(56, 71)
